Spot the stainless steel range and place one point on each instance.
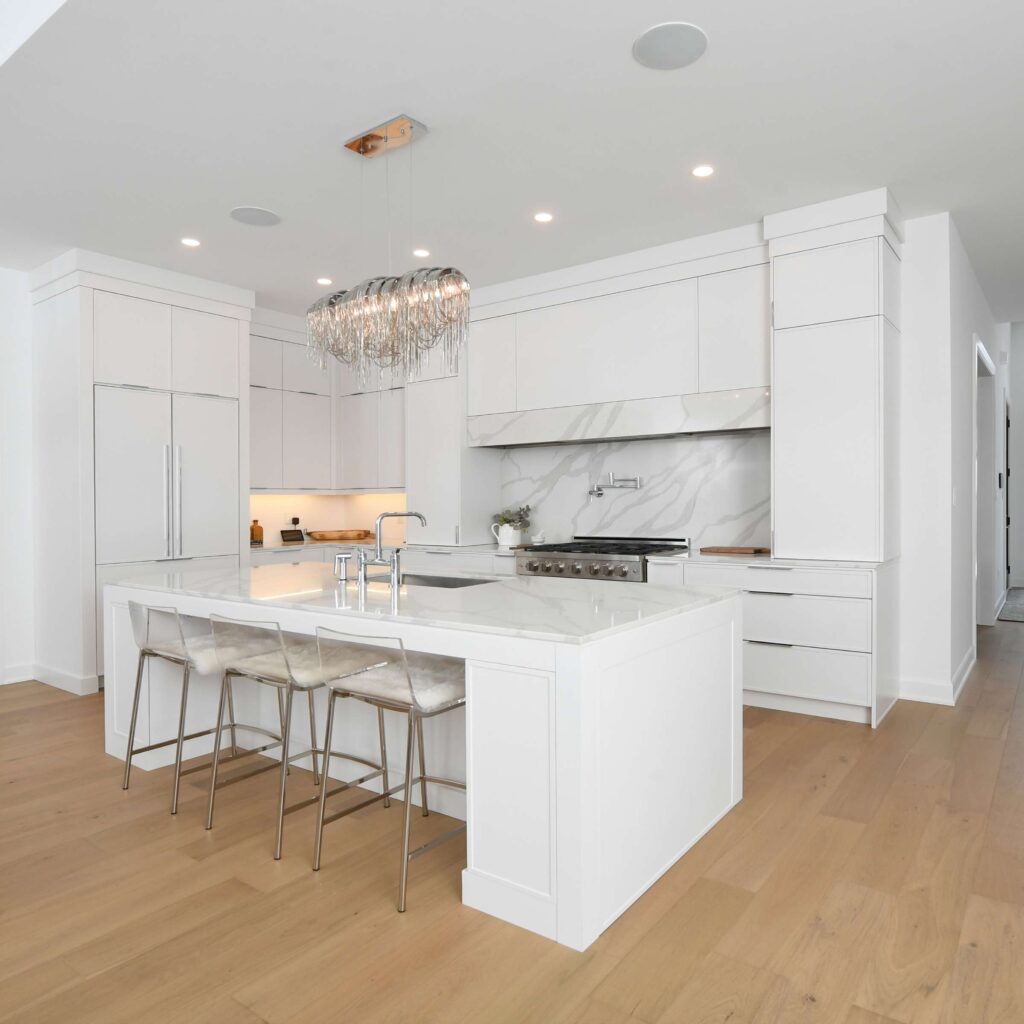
(623, 559)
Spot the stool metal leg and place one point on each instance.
(181, 737)
(312, 737)
(231, 716)
(423, 767)
(383, 755)
(224, 684)
(403, 878)
(286, 729)
(280, 712)
(319, 838)
(135, 716)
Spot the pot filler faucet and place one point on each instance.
(394, 573)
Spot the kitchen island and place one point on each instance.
(602, 733)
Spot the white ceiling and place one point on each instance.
(125, 126)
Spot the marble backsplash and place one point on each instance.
(712, 488)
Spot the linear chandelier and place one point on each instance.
(392, 322)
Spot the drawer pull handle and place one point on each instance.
(437, 552)
(772, 568)
(767, 643)
(772, 593)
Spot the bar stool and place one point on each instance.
(162, 633)
(380, 672)
(261, 652)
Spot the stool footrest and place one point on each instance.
(269, 766)
(413, 854)
(168, 743)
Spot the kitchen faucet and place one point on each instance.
(394, 574)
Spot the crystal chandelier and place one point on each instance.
(392, 322)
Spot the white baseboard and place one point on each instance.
(17, 674)
(939, 691)
(78, 685)
(964, 670)
(1000, 603)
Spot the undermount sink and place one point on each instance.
(414, 579)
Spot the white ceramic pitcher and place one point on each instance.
(506, 535)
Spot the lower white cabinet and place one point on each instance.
(306, 441)
(818, 639)
(286, 555)
(457, 562)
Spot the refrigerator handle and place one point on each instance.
(177, 490)
(167, 499)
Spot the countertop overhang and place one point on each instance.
(560, 611)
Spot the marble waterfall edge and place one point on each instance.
(714, 488)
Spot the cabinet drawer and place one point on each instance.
(440, 562)
(782, 579)
(840, 623)
(285, 556)
(841, 676)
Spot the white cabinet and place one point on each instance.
(734, 330)
(204, 353)
(347, 381)
(206, 476)
(306, 441)
(358, 441)
(300, 373)
(836, 282)
(133, 475)
(828, 460)
(491, 366)
(285, 555)
(391, 439)
(432, 368)
(166, 475)
(265, 362)
(455, 487)
(629, 345)
(266, 435)
(131, 341)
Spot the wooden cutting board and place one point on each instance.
(735, 551)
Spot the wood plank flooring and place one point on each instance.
(866, 878)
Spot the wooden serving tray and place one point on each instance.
(339, 534)
(735, 551)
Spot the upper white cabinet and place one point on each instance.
(300, 373)
(634, 344)
(204, 353)
(265, 362)
(358, 441)
(455, 487)
(306, 443)
(432, 368)
(491, 366)
(370, 443)
(836, 282)
(734, 332)
(831, 440)
(266, 435)
(131, 341)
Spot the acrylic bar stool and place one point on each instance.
(261, 652)
(380, 672)
(162, 633)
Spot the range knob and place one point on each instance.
(594, 570)
(560, 567)
(547, 566)
(577, 568)
(622, 570)
(607, 570)
(532, 566)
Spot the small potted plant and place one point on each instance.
(509, 524)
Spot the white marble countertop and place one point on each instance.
(561, 611)
(469, 549)
(792, 563)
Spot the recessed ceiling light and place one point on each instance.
(192, 243)
(669, 46)
(543, 218)
(421, 254)
(703, 171)
(324, 280)
(255, 216)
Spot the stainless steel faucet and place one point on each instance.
(394, 574)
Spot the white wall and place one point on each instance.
(715, 489)
(16, 615)
(1016, 491)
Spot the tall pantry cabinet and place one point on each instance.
(140, 466)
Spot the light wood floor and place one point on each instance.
(866, 878)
